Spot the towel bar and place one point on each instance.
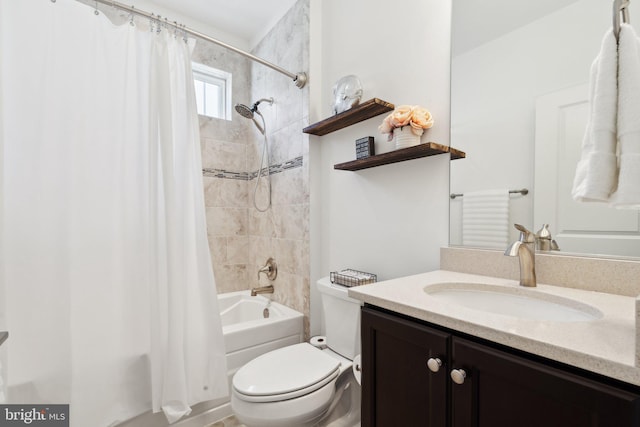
(523, 191)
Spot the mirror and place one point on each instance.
(519, 107)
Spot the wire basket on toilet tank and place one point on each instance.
(350, 277)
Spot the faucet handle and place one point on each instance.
(544, 241)
(544, 232)
(526, 236)
(270, 269)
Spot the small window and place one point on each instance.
(213, 91)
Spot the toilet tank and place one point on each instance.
(341, 318)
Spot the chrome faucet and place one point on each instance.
(525, 250)
(262, 290)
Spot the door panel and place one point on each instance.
(561, 119)
(398, 389)
(503, 390)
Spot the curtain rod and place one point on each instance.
(300, 79)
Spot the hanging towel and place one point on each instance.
(485, 219)
(597, 171)
(628, 192)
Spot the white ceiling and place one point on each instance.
(246, 20)
(477, 22)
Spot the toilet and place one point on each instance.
(302, 384)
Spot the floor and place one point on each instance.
(227, 422)
(345, 412)
(233, 422)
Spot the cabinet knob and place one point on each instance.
(458, 376)
(434, 364)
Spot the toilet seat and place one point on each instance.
(284, 374)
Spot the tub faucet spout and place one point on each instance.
(525, 250)
(262, 290)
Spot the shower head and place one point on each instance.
(247, 112)
(244, 111)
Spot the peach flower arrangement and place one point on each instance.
(414, 116)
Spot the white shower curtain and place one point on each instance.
(110, 298)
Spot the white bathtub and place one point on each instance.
(247, 334)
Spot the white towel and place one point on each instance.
(628, 192)
(485, 219)
(597, 171)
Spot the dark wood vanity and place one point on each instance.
(497, 386)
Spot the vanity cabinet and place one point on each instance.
(398, 389)
(502, 389)
(497, 388)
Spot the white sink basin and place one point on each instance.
(521, 303)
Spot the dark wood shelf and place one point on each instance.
(366, 110)
(409, 153)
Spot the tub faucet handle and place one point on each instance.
(270, 269)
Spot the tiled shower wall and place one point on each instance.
(224, 154)
(240, 237)
(283, 231)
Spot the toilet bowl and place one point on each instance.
(291, 386)
(295, 386)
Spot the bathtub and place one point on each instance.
(247, 335)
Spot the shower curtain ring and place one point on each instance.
(96, 12)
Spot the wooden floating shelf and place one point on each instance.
(409, 153)
(366, 110)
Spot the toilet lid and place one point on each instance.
(285, 373)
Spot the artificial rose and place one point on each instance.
(401, 116)
(386, 126)
(418, 118)
(416, 129)
(421, 117)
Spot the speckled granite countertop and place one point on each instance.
(3, 337)
(605, 346)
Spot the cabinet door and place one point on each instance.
(504, 390)
(398, 388)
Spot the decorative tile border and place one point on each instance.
(245, 176)
(225, 174)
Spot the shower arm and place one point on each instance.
(300, 79)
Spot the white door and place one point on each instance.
(595, 228)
